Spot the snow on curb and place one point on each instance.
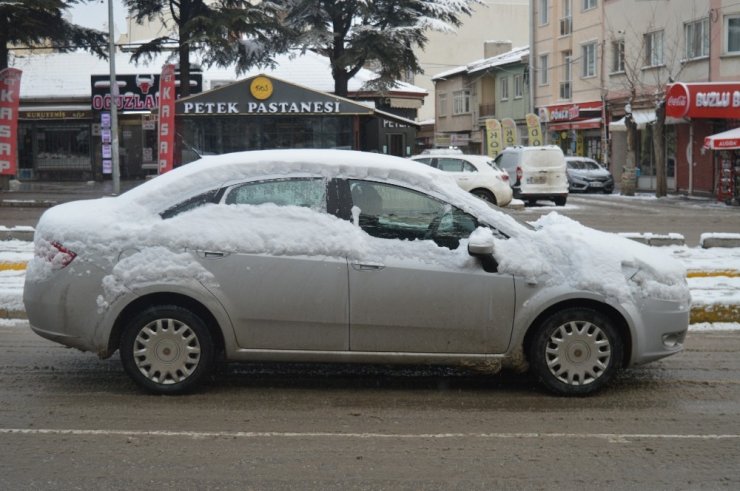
(707, 241)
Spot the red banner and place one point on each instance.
(166, 119)
(711, 100)
(10, 92)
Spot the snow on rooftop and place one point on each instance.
(513, 56)
(58, 75)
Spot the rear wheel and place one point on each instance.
(560, 200)
(167, 350)
(485, 195)
(575, 351)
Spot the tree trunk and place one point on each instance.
(661, 184)
(3, 43)
(341, 83)
(184, 54)
(629, 176)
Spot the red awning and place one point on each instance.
(727, 140)
(585, 124)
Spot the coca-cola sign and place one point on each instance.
(704, 100)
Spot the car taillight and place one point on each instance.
(518, 173)
(504, 177)
(60, 256)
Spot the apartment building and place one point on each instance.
(568, 78)
(494, 87)
(597, 61)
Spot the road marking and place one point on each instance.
(611, 437)
(12, 266)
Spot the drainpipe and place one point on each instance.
(691, 158)
(532, 73)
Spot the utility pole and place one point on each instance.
(113, 102)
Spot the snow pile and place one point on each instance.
(563, 252)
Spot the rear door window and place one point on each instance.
(306, 192)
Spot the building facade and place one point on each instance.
(495, 87)
(599, 61)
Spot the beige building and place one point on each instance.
(567, 63)
(595, 60)
(491, 20)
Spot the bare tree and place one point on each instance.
(650, 59)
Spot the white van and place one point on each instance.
(536, 173)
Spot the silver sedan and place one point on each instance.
(331, 255)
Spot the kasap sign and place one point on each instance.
(10, 89)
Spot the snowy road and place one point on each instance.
(71, 421)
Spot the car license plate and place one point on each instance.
(597, 184)
(536, 180)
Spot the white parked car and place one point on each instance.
(477, 174)
(536, 173)
(331, 255)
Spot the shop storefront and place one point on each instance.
(699, 112)
(264, 112)
(54, 142)
(575, 128)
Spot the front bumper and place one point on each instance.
(661, 330)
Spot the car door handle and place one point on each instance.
(212, 254)
(367, 266)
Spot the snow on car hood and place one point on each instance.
(561, 251)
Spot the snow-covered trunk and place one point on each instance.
(661, 185)
(629, 172)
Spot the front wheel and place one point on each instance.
(167, 350)
(560, 200)
(575, 351)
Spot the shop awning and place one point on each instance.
(727, 140)
(642, 117)
(585, 124)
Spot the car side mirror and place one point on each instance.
(481, 243)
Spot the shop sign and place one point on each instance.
(493, 135)
(55, 114)
(10, 89)
(570, 112)
(136, 92)
(508, 127)
(166, 143)
(314, 107)
(710, 100)
(534, 130)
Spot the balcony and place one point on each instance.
(486, 110)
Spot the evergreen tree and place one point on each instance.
(40, 23)
(220, 32)
(380, 34)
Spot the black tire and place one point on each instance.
(485, 195)
(182, 356)
(560, 200)
(575, 351)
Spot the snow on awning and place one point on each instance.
(727, 140)
(642, 117)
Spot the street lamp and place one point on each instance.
(114, 102)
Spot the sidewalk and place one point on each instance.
(49, 193)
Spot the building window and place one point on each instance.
(732, 34)
(588, 57)
(504, 88)
(518, 87)
(461, 102)
(544, 6)
(442, 107)
(566, 21)
(589, 4)
(654, 48)
(544, 69)
(618, 56)
(565, 84)
(697, 38)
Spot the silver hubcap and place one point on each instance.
(166, 351)
(578, 353)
